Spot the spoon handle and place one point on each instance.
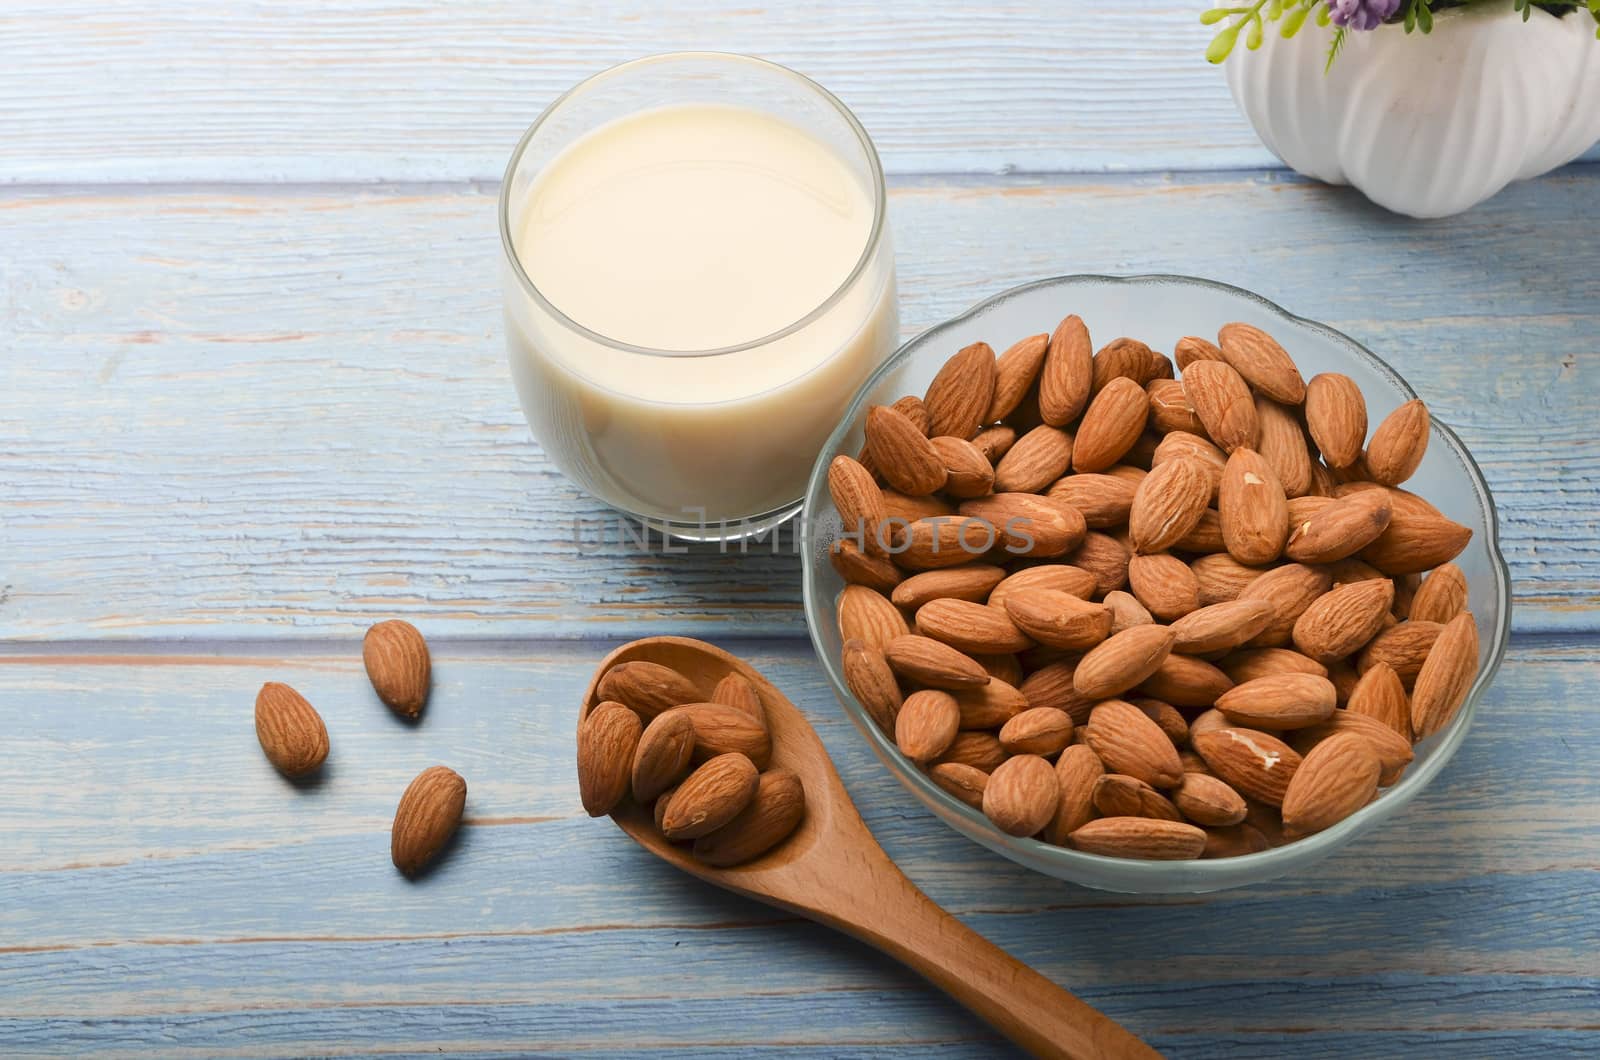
(898, 919)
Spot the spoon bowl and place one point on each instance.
(831, 869)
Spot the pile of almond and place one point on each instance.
(701, 759)
(1145, 616)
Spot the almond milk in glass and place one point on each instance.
(698, 277)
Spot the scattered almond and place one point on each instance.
(428, 815)
(398, 665)
(290, 731)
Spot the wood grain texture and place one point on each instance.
(239, 412)
(164, 892)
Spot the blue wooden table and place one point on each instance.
(253, 398)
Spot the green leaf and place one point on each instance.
(1297, 18)
(1424, 16)
(1253, 40)
(1411, 15)
(1211, 16)
(1223, 43)
(1334, 49)
(1324, 16)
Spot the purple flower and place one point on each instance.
(1362, 14)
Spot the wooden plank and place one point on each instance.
(281, 425)
(152, 856)
(374, 90)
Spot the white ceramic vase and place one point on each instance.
(1428, 124)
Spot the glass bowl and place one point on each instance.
(1159, 310)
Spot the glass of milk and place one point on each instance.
(698, 276)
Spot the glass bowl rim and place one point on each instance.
(880, 202)
(1206, 874)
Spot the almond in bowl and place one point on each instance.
(1183, 616)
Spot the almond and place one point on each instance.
(720, 729)
(1170, 409)
(1343, 619)
(1393, 750)
(858, 499)
(1127, 741)
(857, 567)
(1218, 627)
(771, 817)
(941, 541)
(912, 408)
(1052, 686)
(1403, 647)
(995, 441)
(1223, 402)
(1206, 537)
(1446, 676)
(1442, 595)
(900, 510)
(1253, 508)
(1062, 577)
(1021, 795)
(930, 662)
(1116, 795)
(1015, 372)
(1186, 681)
(1290, 589)
(962, 781)
(1102, 500)
(1028, 525)
(1222, 578)
(735, 690)
(1122, 661)
(1337, 778)
(428, 814)
(1234, 841)
(1111, 425)
(926, 725)
(1279, 701)
(1076, 772)
(1002, 667)
(1166, 717)
(1253, 763)
(1398, 445)
(902, 454)
(1208, 801)
(958, 399)
(1126, 611)
(1128, 359)
(1282, 443)
(1251, 663)
(661, 757)
(1339, 528)
(1181, 444)
(1039, 458)
(869, 617)
(607, 739)
(980, 750)
(1206, 721)
(1139, 837)
(1037, 731)
(1262, 362)
(968, 472)
(290, 730)
(971, 627)
(1058, 619)
(1105, 558)
(647, 688)
(397, 663)
(1067, 374)
(710, 797)
(971, 581)
(1381, 695)
(1415, 541)
(871, 681)
(1336, 416)
(1192, 348)
(1168, 504)
(1164, 583)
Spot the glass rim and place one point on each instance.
(868, 250)
(1136, 875)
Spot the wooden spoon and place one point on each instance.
(833, 871)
